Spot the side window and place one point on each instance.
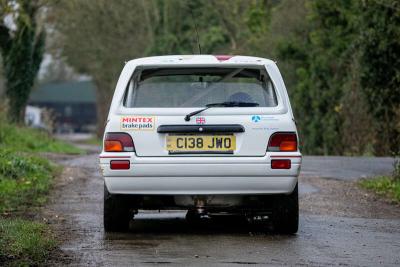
(270, 96)
(129, 94)
(130, 91)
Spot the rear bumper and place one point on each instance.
(200, 170)
(201, 185)
(201, 176)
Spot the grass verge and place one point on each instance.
(25, 179)
(384, 186)
(24, 243)
(26, 139)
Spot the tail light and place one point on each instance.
(281, 164)
(118, 142)
(119, 164)
(280, 141)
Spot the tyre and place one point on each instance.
(117, 213)
(285, 217)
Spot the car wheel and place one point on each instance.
(285, 217)
(117, 213)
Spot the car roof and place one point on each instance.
(196, 60)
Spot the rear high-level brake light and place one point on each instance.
(118, 142)
(281, 164)
(223, 57)
(286, 142)
(119, 165)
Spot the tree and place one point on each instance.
(340, 59)
(97, 37)
(379, 46)
(22, 47)
(328, 59)
(1, 80)
(346, 88)
(326, 93)
(174, 23)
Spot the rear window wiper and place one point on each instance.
(222, 104)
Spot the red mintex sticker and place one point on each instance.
(138, 123)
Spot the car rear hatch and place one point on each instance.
(158, 101)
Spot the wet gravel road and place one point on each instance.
(339, 225)
(346, 168)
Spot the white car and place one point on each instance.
(203, 133)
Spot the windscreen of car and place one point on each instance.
(197, 87)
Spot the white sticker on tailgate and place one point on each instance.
(138, 123)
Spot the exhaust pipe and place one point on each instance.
(199, 204)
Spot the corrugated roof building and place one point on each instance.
(73, 104)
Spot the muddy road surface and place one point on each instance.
(339, 224)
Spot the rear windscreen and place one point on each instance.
(197, 87)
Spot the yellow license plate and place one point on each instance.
(201, 143)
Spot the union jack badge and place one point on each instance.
(200, 120)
